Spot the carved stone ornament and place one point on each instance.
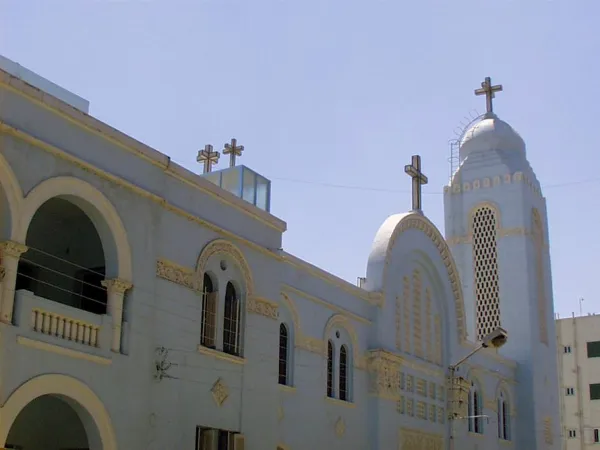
(177, 274)
(11, 248)
(411, 439)
(385, 374)
(116, 285)
(220, 392)
(263, 307)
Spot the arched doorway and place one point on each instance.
(48, 422)
(65, 259)
(59, 409)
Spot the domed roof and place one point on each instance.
(490, 133)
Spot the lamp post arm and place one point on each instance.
(453, 367)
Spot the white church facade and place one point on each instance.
(147, 307)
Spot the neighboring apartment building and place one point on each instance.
(579, 371)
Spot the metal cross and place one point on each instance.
(208, 157)
(489, 91)
(233, 150)
(418, 178)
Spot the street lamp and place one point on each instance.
(495, 339)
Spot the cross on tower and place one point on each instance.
(413, 170)
(233, 150)
(489, 91)
(208, 157)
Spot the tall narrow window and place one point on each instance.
(343, 373)
(283, 354)
(485, 263)
(503, 418)
(209, 314)
(231, 321)
(538, 240)
(475, 410)
(329, 369)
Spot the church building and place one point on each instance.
(147, 307)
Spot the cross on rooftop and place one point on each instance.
(208, 157)
(233, 150)
(489, 91)
(413, 170)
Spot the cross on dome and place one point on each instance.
(489, 91)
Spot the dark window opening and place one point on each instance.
(343, 373)
(231, 321)
(283, 354)
(209, 314)
(595, 391)
(593, 349)
(65, 258)
(329, 369)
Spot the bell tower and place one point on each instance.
(496, 226)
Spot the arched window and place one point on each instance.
(503, 418)
(284, 340)
(475, 410)
(343, 373)
(209, 313)
(330, 391)
(231, 321)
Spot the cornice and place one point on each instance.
(492, 182)
(142, 151)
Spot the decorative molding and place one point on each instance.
(263, 307)
(177, 274)
(12, 249)
(421, 223)
(311, 344)
(500, 233)
(338, 402)
(385, 367)
(220, 392)
(491, 182)
(45, 346)
(223, 247)
(220, 355)
(416, 313)
(2, 273)
(116, 285)
(413, 439)
(406, 314)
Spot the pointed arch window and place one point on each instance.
(503, 418)
(209, 314)
(231, 321)
(344, 373)
(475, 410)
(284, 341)
(330, 390)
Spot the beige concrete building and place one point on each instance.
(579, 371)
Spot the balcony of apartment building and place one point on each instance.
(66, 296)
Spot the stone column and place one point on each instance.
(115, 290)
(11, 252)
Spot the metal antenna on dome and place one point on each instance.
(459, 131)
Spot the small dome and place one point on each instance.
(490, 133)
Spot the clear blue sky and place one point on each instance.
(340, 93)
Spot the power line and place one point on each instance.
(407, 191)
